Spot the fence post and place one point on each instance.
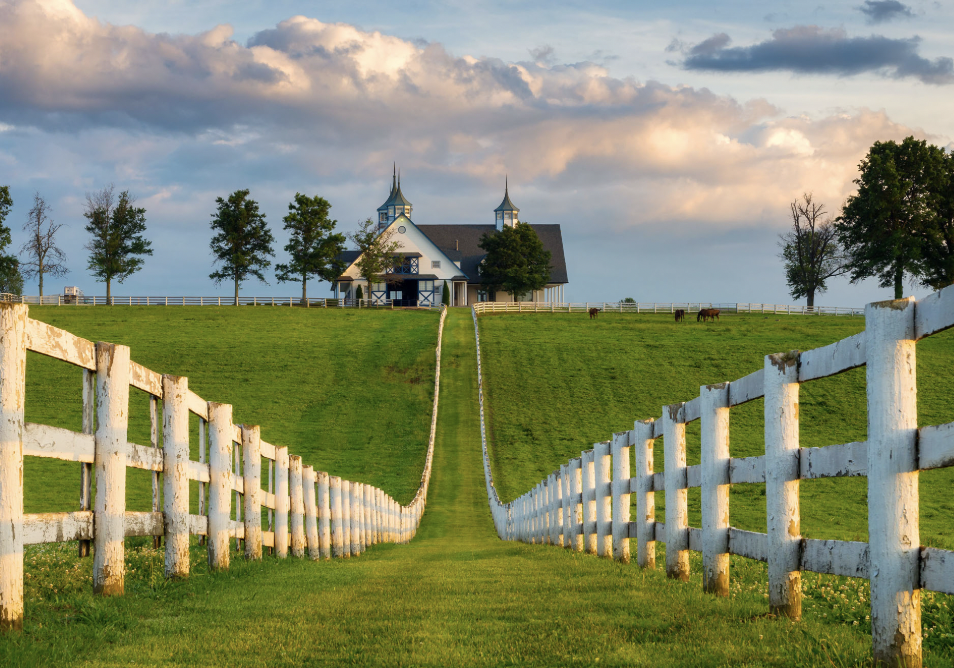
(13, 320)
(281, 502)
(252, 458)
(346, 517)
(357, 518)
(643, 442)
(893, 526)
(368, 515)
(714, 424)
(86, 469)
(589, 502)
(575, 474)
(324, 515)
(112, 415)
(295, 482)
(604, 499)
(677, 499)
(781, 483)
(621, 490)
(220, 483)
(308, 481)
(336, 517)
(175, 473)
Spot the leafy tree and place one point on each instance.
(242, 243)
(516, 260)
(884, 225)
(937, 248)
(445, 295)
(810, 250)
(116, 247)
(10, 279)
(378, 251)
(629, 300)
(313, 246)
(40, 246)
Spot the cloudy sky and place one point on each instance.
(667, 141)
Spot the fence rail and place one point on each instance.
(307, 510)
(659, 307)
(585, 505)
(82, 300)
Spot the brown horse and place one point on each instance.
(708, 314)
(593, 312)
(680, 315)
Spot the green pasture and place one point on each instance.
(557, 383)
(456, 595)
(348, 390)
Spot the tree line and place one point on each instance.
(898, 226)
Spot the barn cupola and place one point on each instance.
(396, 204)
(506, 214)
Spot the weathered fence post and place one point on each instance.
(621, 491)
(281, 502)
(252, 458)
(324, 515)
(604, 499)
(368, 515)
(175, 473)
(112, 418)
(221, 433)
(781, 484)
(893, 526)
(295, 482)
(336, 516)
(354, 515)
(13, 320)
(714, 424)
(346, 518)
(643, 442)
(589, 502)
(86, 469)
(575, 473)
(567, 506)
(309, 480)
(677, 499)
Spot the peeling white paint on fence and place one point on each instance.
(309, 511)
(895, 451)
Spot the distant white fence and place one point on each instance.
(585, 505)
(306, 509)
(83, 300)
(659, 307)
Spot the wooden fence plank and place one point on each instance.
(145, 379)
(834, 461)
(832, 359)
(837, 557)
(934, 313)
(747, 388)
(59, 344)
(57, 527)
(935, 446)
(748, 544)
(40, 440)
(937, 570)
(746, 469)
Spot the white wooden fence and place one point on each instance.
(585, 505)
(69, 300)
(660, 307)
(307, 510)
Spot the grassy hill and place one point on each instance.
(557, 383)
(455, 596)
(348, 390)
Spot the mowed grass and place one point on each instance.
(348, 390)
(557, 383)
(455, 596)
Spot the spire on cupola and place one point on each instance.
(396, 204)
(506, 214)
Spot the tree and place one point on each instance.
(40, 246)
(937, 244)
(516, 260)
(883, 227)
(445, 295)
(243, 242)
(11, 281)
(313, 246)
(810, 250)
(378, 252)
(117, 246)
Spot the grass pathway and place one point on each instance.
(455, 596)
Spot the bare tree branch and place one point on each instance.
(810, 249)
(44, 256)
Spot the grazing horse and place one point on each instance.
(593, 312)
(680, 315)
(708, 314)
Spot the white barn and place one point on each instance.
(434, 254)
